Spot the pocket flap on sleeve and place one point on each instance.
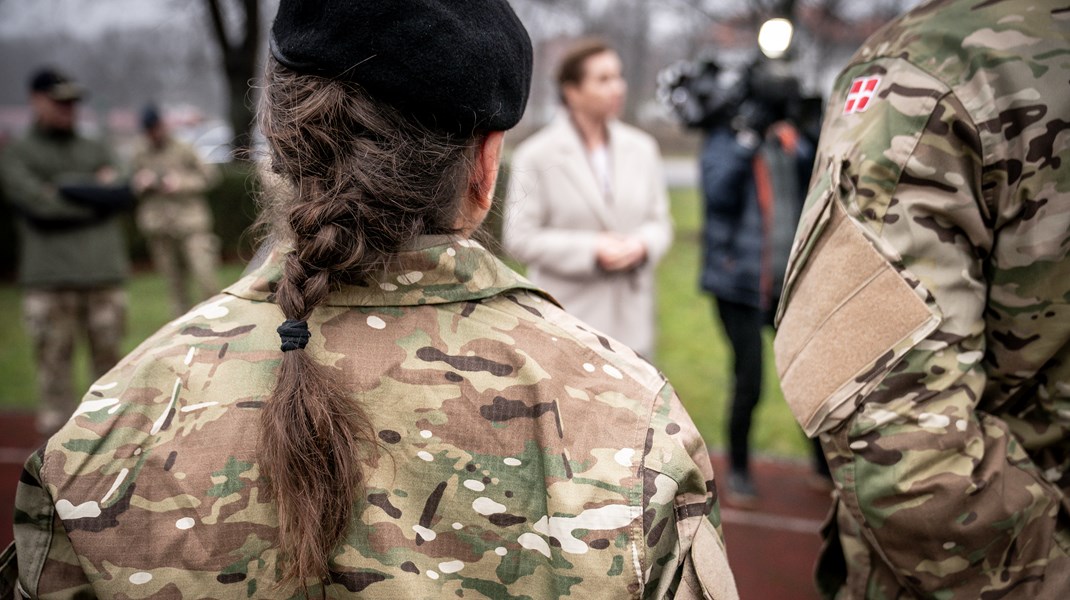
(849, 319)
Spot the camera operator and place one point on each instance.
(755, 166)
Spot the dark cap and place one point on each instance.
(55, 85)
(456, 65)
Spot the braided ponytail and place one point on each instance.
(363, 182)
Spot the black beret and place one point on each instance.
(456, 65)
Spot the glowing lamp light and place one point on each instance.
(774, 38)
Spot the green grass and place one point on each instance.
(691, 349)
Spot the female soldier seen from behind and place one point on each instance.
(432, 424)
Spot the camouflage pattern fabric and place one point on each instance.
(55, 320)
(951, 447)
(522, 455)
(178, 225)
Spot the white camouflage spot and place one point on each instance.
(609, 517)
(486, 507)
(859, 445)
(533, 541)
(424, 532)
(66, 510)
(474, 485)
(969, 358)
(451, 252)
(210, 310)
(376, 323)
(189, 356)
(410, 278)
(933, 421)
(501, 551)
(113, 410)
(163, 416)
(388, 287)
(961, 424)
(115, 485)
(100, 387)
(432, 574)
(451, 566)
(624, 456)
(612, 371)
(425, 434)
(949, 545)
(588, 367)
(88, 406)
(140, 577)
(458, 526)
(425, 455)
(185, 523)
(193, 407)
(512, 462)
(882, 417)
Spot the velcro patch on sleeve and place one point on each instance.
(851, 316)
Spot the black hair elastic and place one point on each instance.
(294, 335)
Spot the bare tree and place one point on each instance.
(238, 39)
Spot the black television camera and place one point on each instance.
(704, 95)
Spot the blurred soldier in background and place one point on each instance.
(588, 209)
(72, 254)
(173, 214)
(925, 333)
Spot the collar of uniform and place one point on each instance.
(437, 270)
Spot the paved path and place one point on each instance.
(771, 548)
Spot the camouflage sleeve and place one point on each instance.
(946, 495)
(48, 567)
(681, 517)
(33, 196)
(526, 234)
(656, 231)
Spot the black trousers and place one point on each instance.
(743, 325)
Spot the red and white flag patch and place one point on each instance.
(861, 94)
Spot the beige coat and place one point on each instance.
(555, 210)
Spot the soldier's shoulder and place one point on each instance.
(952, 40)
(569, 345)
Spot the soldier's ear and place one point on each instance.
(485, 174)
(477, 202)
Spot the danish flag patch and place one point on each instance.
(861, 94)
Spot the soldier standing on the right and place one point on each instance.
(173, 214)
(925, 332)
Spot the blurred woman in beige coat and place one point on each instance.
(587, 208)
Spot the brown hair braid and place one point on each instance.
(363, 182)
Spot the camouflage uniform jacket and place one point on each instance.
(185, 210)
(62, 244)
(522, 454)
(926, 333)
